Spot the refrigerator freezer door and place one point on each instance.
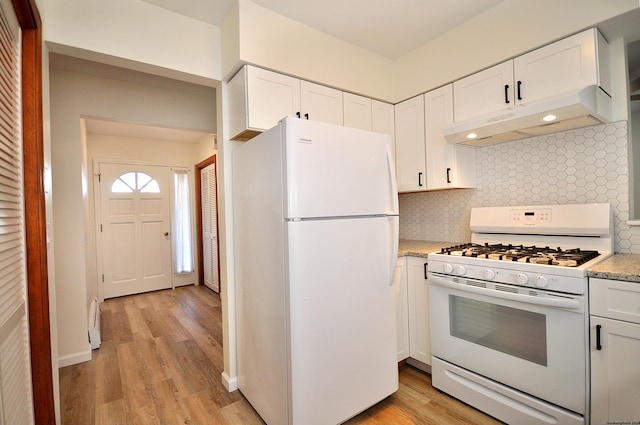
(335, 171)
(342, 317)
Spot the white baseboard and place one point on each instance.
(231, 384)
(75, 358)
(419, 365)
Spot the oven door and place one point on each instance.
(528, 339)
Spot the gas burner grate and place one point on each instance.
(520, 253)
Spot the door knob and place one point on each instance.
(166, 233)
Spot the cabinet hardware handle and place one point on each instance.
(506, 93)
(298, 114)
(420, 179)
(448, 177)
(306, 116)
(598, 340)
(519, 94)
(425, 270)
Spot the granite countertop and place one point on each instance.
(415, 248)
(618, 267)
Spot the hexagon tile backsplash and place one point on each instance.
(587, 165)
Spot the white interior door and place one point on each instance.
(135, 228)
(209, 227)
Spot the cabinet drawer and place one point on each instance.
(615, 299)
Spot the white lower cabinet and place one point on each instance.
(615, 350)
(418, 293)
(412, 303)
(402, 315)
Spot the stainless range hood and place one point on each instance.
(586, 107)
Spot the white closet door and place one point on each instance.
(16, 403)
(209, 227)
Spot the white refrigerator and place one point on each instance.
(316, 244)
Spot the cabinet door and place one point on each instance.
(402, 314)
(565, 65)
(383, 120)
(270, 97)
(615, 376)
(440, 155)
(320, 103)
(410, 145)
(357, 111)
(418, 292)
(484, 92)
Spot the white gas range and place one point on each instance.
(509, 311)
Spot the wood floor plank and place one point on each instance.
(108, 381)
(77, 394)
(139, 327)
(161, 361)
(240, 412)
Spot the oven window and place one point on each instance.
(516, 332)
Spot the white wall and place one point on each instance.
(282, 44)
(205, 148)
(253, 34)
(74, 95)
(135, 35)
(510, 28)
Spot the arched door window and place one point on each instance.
(135, 181)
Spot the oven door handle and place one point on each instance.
(566, 303)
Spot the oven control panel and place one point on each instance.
(550, 278)
(561, 220)
(522, 216)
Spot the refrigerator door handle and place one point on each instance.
(394, 248)
(392, 180)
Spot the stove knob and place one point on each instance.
(541, 282)
(447, 268)
(460, 270)
(522, 279)
(489, 274)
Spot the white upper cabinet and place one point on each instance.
(448, 166)
(258, 99)
(484, 92)
(410, 145)
(383, 120)
(567, 65)
(320, 103)
(357, 111)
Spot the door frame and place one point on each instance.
(199, 166)
(35, 211)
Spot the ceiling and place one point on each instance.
(392, 28)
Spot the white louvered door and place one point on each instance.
(209, 227)
(16, 405)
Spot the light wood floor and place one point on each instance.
(161, 362)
